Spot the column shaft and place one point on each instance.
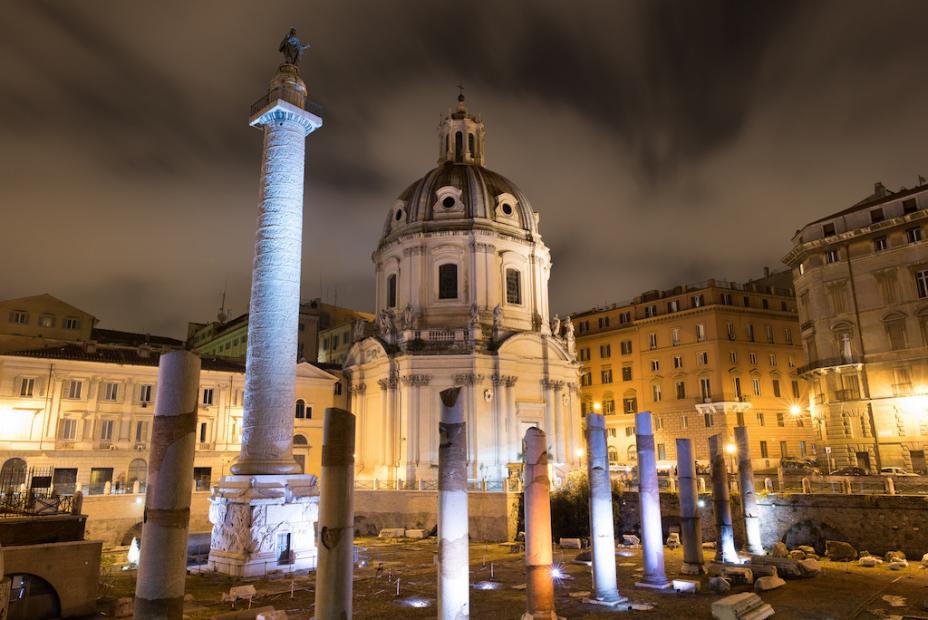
(538, 553)
(159, 587)
(602, 528)
(652, 543)
(336, 517)
(560, 430)
(690, 529)
(453, 552)
(270, 372)
(748, 496)
(721, 501)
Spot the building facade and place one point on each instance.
(83, 415)
(861, 278)
(702, 358)
(462, 301)
(229, 338)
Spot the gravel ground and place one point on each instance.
(842, 591)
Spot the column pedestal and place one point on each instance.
(263, 523)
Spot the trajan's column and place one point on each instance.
(263, 514)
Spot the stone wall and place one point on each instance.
(111, 518)
(72, 569)
(492, 516)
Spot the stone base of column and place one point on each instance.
(547, 616)
(621, 600)
(263, 523)
(692, 569)
(654, 585)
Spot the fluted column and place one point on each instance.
(548, 387)
(560, 431)
(748, 496)
(270, 365)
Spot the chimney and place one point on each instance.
(879, 190)
(766, 272)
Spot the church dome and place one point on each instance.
(461, 193)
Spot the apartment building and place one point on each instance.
(702, 358)
(861, 277)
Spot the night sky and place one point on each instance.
(662, 142)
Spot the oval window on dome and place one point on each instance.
(399, 215)
(507, 208)
(448, 202)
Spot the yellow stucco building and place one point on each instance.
(702, 358)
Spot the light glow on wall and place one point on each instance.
(15, 423)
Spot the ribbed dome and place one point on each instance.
(454, 196)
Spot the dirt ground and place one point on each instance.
(842, 590)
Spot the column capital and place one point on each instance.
(280, 111)
(416, 380)
(468, 379)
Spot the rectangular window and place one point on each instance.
(603, 322)
(201, 478)
(763, 450)
(909, 206)
(650, 311)
(773, 360)
(921, 284)
(661, 452)
(788, 335)
(726, 299)
(652, 341)
(697, 300)
(783, 450)
(675, 336)
(655, 365)
(656, 392)
(760, 419)
(700, 332)
(795, 387)
(880, 244)
(448, 281)
(19, 317)
(781, 419)
(750, 332)
(673, 306)
(606, 375)
(106, 430)
(768, 331)
(702, 358)
(704, 390)
(733, 357)
(141, 431)
(740, 417)
(776, 388)
(730, 328)
(895, 330)
(584, 354)
(913, 235)
(608, 407)
(629, 431)
(708, 419)
(67, 429)
(605, 350)
(658, 423)
(765, 303)
(72, 323)
(746, 302)
(207, 396)
(802, 448)
(110, 391)
(678, 361)
(681, 390)
(586, 378)
(828, 229)
(626, 346)
(625, 317)
(626, 373)
(755, 384)
(391, 289)
(684, 422)
(630, 405)
(736, 381)
(202, 432)
(876, 215)
(753, 358)
(46, 320)
(73, 389)
(831, 256)
(26, 386)
(145, 393)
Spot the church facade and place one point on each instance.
(462, 300)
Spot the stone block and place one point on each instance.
(763, 570)
(392, 532)
(925, 560)
(743, 606)
(685, 585)
(806, 549)
(779, 550)
(797, 554)
(673, 540)
(719, 585)
(630, 540)
(869, 561)
(122, 607)
(893, 555)
(417, 534)
(787, 568)
(738, 575)
(245, 593)
(898, 564)
(839, 551)
(809, 567)
(571, 543)
(768, 582)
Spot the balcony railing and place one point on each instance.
(827, 362)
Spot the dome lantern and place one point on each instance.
(461, 136)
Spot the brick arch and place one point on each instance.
(811, 532)
(133, 532)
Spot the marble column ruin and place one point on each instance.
(649, 498)
(538, 552)
(602, 528)
(690, 528)
(748, 496)
(162, 573)
(721, 502)
(335, 567)
(453, 552)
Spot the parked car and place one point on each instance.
(897, 471)
(793, 465)
(850, 471)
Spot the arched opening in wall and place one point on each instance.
(12, 474)
(138, 471)
(631, 454)
(300, 451)
(32, 598)
(811, 533)
(300, 410)
(470, 145)
(133, 532)
(458, 146)
(391, 291)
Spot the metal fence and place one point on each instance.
(510, 485)
(31, 493)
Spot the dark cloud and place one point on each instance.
(661, 141)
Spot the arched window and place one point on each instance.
(448, 280)
(12, 474)
(470, 144)
(138, 470)
(513, 287)
(458, 146)
(300, 440)
(300, 409)
(391, 291)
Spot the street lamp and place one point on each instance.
(731, 449)
(597, 407)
